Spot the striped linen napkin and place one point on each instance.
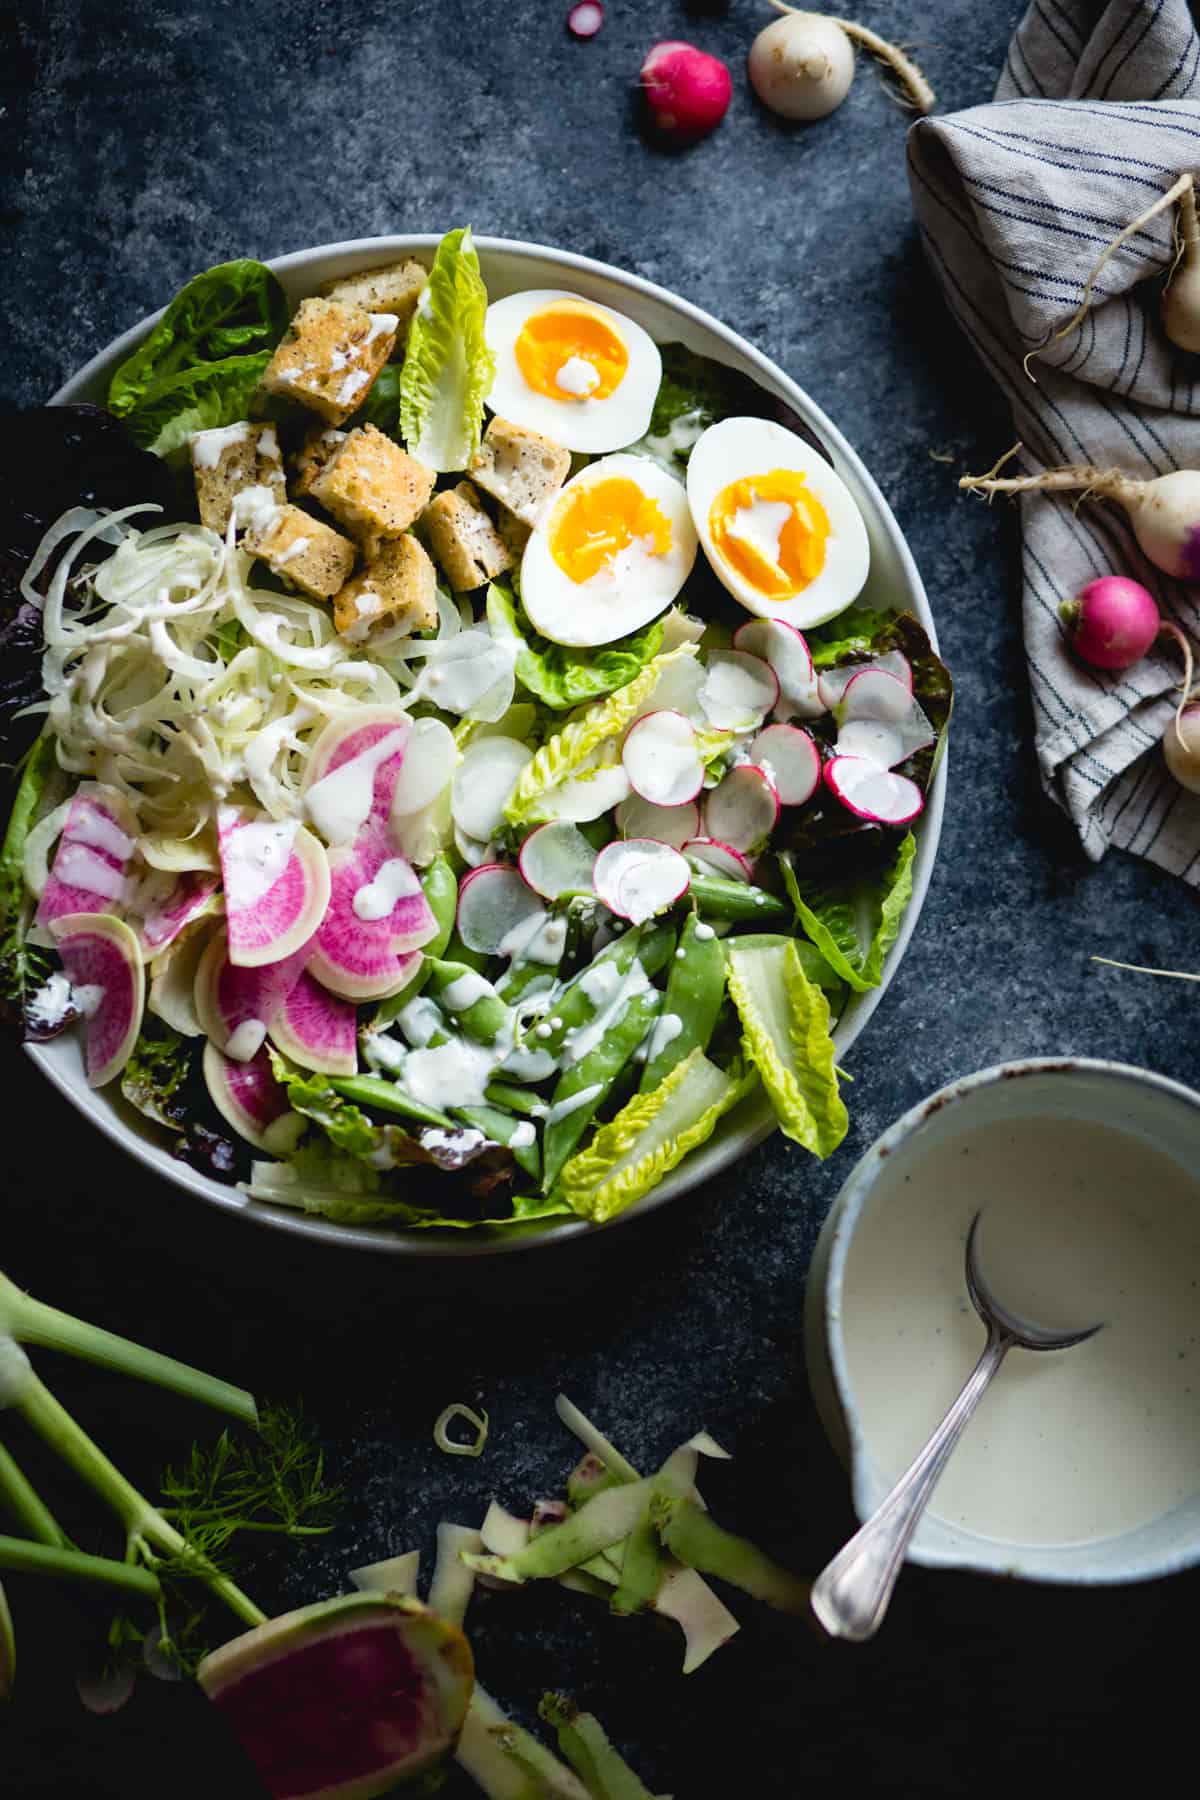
(1096, 114)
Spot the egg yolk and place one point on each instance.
(596, 520)
(570, 352)
(772, 530)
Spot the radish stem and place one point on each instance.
(1139, 969)
(915, 88)
(20, 1498)
(74, 1565)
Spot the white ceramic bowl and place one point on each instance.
(894, 583)
(1163, 1114)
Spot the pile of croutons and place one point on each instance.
(374, 552)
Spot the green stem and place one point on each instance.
(27, 1507)
(74, 1565)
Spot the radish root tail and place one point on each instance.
(1171, 630)
(1139, 969)
(914, 88)
(1107, 483)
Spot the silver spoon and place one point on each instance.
(850, 1596)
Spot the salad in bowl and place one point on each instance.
(465, 768)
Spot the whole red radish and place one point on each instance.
(687, 91)
(1112, 622)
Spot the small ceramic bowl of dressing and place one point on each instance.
(1080, 1467)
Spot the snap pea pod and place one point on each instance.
(501, 1129)
(440, 887)
(485, 1017)
(581, 999)
(695, 990)
(587, 1081)
(737, 900)
(457, 951)
(515, 1099)
(811, 960)
(373, 1090)
(523, 979)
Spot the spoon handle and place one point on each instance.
(851, 1594)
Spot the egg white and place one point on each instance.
(594, 426)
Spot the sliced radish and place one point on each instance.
(483, 781)
(173, 980)
(317, 1029)
(557, 859)
(423, 835)
(494, 901)
(832, 683)
(786, 649)
(236, 1005)
(276, 879)
(377, 918)
(677, 688)
(189, 897)
(90, 871)
(875, 694)
(353, 770)
(871, 792)
(473, 853)
(103, 961)
(638, 878)
(880, 719)
(246, 1094)
(743, 809)
(790, 759)
(738, 689)
(591, 793)
(710, 857)
(585, 19)
(674, 825)
(471, 674)
(662, 759)
(879, 743)
(427, 769)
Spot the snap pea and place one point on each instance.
(457, 952)
(440, 888)
(373, 1090)
(594, 1075)
(497, 1125)
(737, 900)
(486, 1018)
(516, 1099)
(575, 1006)
(695, 990)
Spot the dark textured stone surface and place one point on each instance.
(148, 141)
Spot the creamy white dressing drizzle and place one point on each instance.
(522, 1136)
(246, 1042)
(89, 998)
(394, 880)
(451, 1074)
(253, 857)
(562, 1109)
(666, 1029)
(609, 1009)
(419, 1021)
(340, 802)
(458, 995)
(538, 938)
(208, 447)
(51, 1004)
(91, 825)
(79, 866)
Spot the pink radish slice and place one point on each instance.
(662, 760)
(246, 1094)
(791, 760)
(91, 864)
(557, 859)
(235, 1005)
(879, 743)
(880, 719)
(786, 650)
(492, 902)
(712, 858)
(832, 683)
(871, 792)
(317, 1029)
(638, 877)
(742, 810)
(103, 961)
(376, 918)
(874, 694)
(585, 20)
(166, 918)
(353, 771)
(737, 690)
(674, 825)
(276, 880)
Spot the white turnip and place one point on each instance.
(1181, 301)
(802, 65)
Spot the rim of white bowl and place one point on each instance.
(750, 1123)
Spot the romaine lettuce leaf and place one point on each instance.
(849, 636)
(197, 399)
(855, 923)
(22, 967)
(448, 368)
(563, 678)
(785, 1033)
(234, 310)
(319, 1178)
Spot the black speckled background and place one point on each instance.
(143, 142)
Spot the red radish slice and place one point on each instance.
(592, 793)
(737, 690)
(871, 792)
(786, 649)
(880, 719)
(473, 853)
(557, 859)
(492, 902)
(674, 825)
(712, 858)
(483, 781)
(832, 683)
(189, 898)
(874, 694)
(428, 766)
(376, 919)
(92, 861)
(317, 1029)
(662, 760)
(103, 961)
(638, 878)
(246, 1094)
(790, 759)
(276, 879)
(236, 1005)
(879, 743)
(353, 770)
(585, 20)
(743, 809)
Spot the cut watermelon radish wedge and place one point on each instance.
(246, 1094)
(832, 683)
(743, 808)
(188, 898)
(317, 1029)
(712, 858)
(483, 781)
(786, 650)
(353, 770)
(342, 1700)
(103, 961)
(638, 878)
(789, 757)
(173, 979)
(738, 690)
(236, 1005)
(376, 920)
(556, 859)
(674, 825)
(427, 769)
(90, 869)
(493, 902)
(871, 792)
(662, 759)
(276, 880)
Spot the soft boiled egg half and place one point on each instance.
(611, 553)
(777, 523)
(578, 372)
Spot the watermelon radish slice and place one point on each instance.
(787, 651)
(90, 869)
(870, 792)
(277, 883)
(188, 898)
(791, 759)
(173, 980)
(832, 683)
(353, 770)
(103, 961)
(317, 1029)
(376, 920)
(738, 689)
(743, 809)
(246, 1094)
(483, 781)
(493, 902)
(674, 825)
(662, 759)
(342, 1700)
(236, 1005)
(557, 859)
(637, 878)
(709, 857)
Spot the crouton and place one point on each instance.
(390, 288)
(329, 356)
(463, 538)
(372, 486)
(314, 557)
(513, 531)
(316, 450)
(229, 459)
(396, 593)
(520, 468)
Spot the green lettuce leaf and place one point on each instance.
(155, 1079)
(381, 407)
(22, 967)
(197, 399)
(848, 637)
(855, 923)
(321, 1179)
(233, 310)
(785, 1027)
(563, 678)
(448, 368)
